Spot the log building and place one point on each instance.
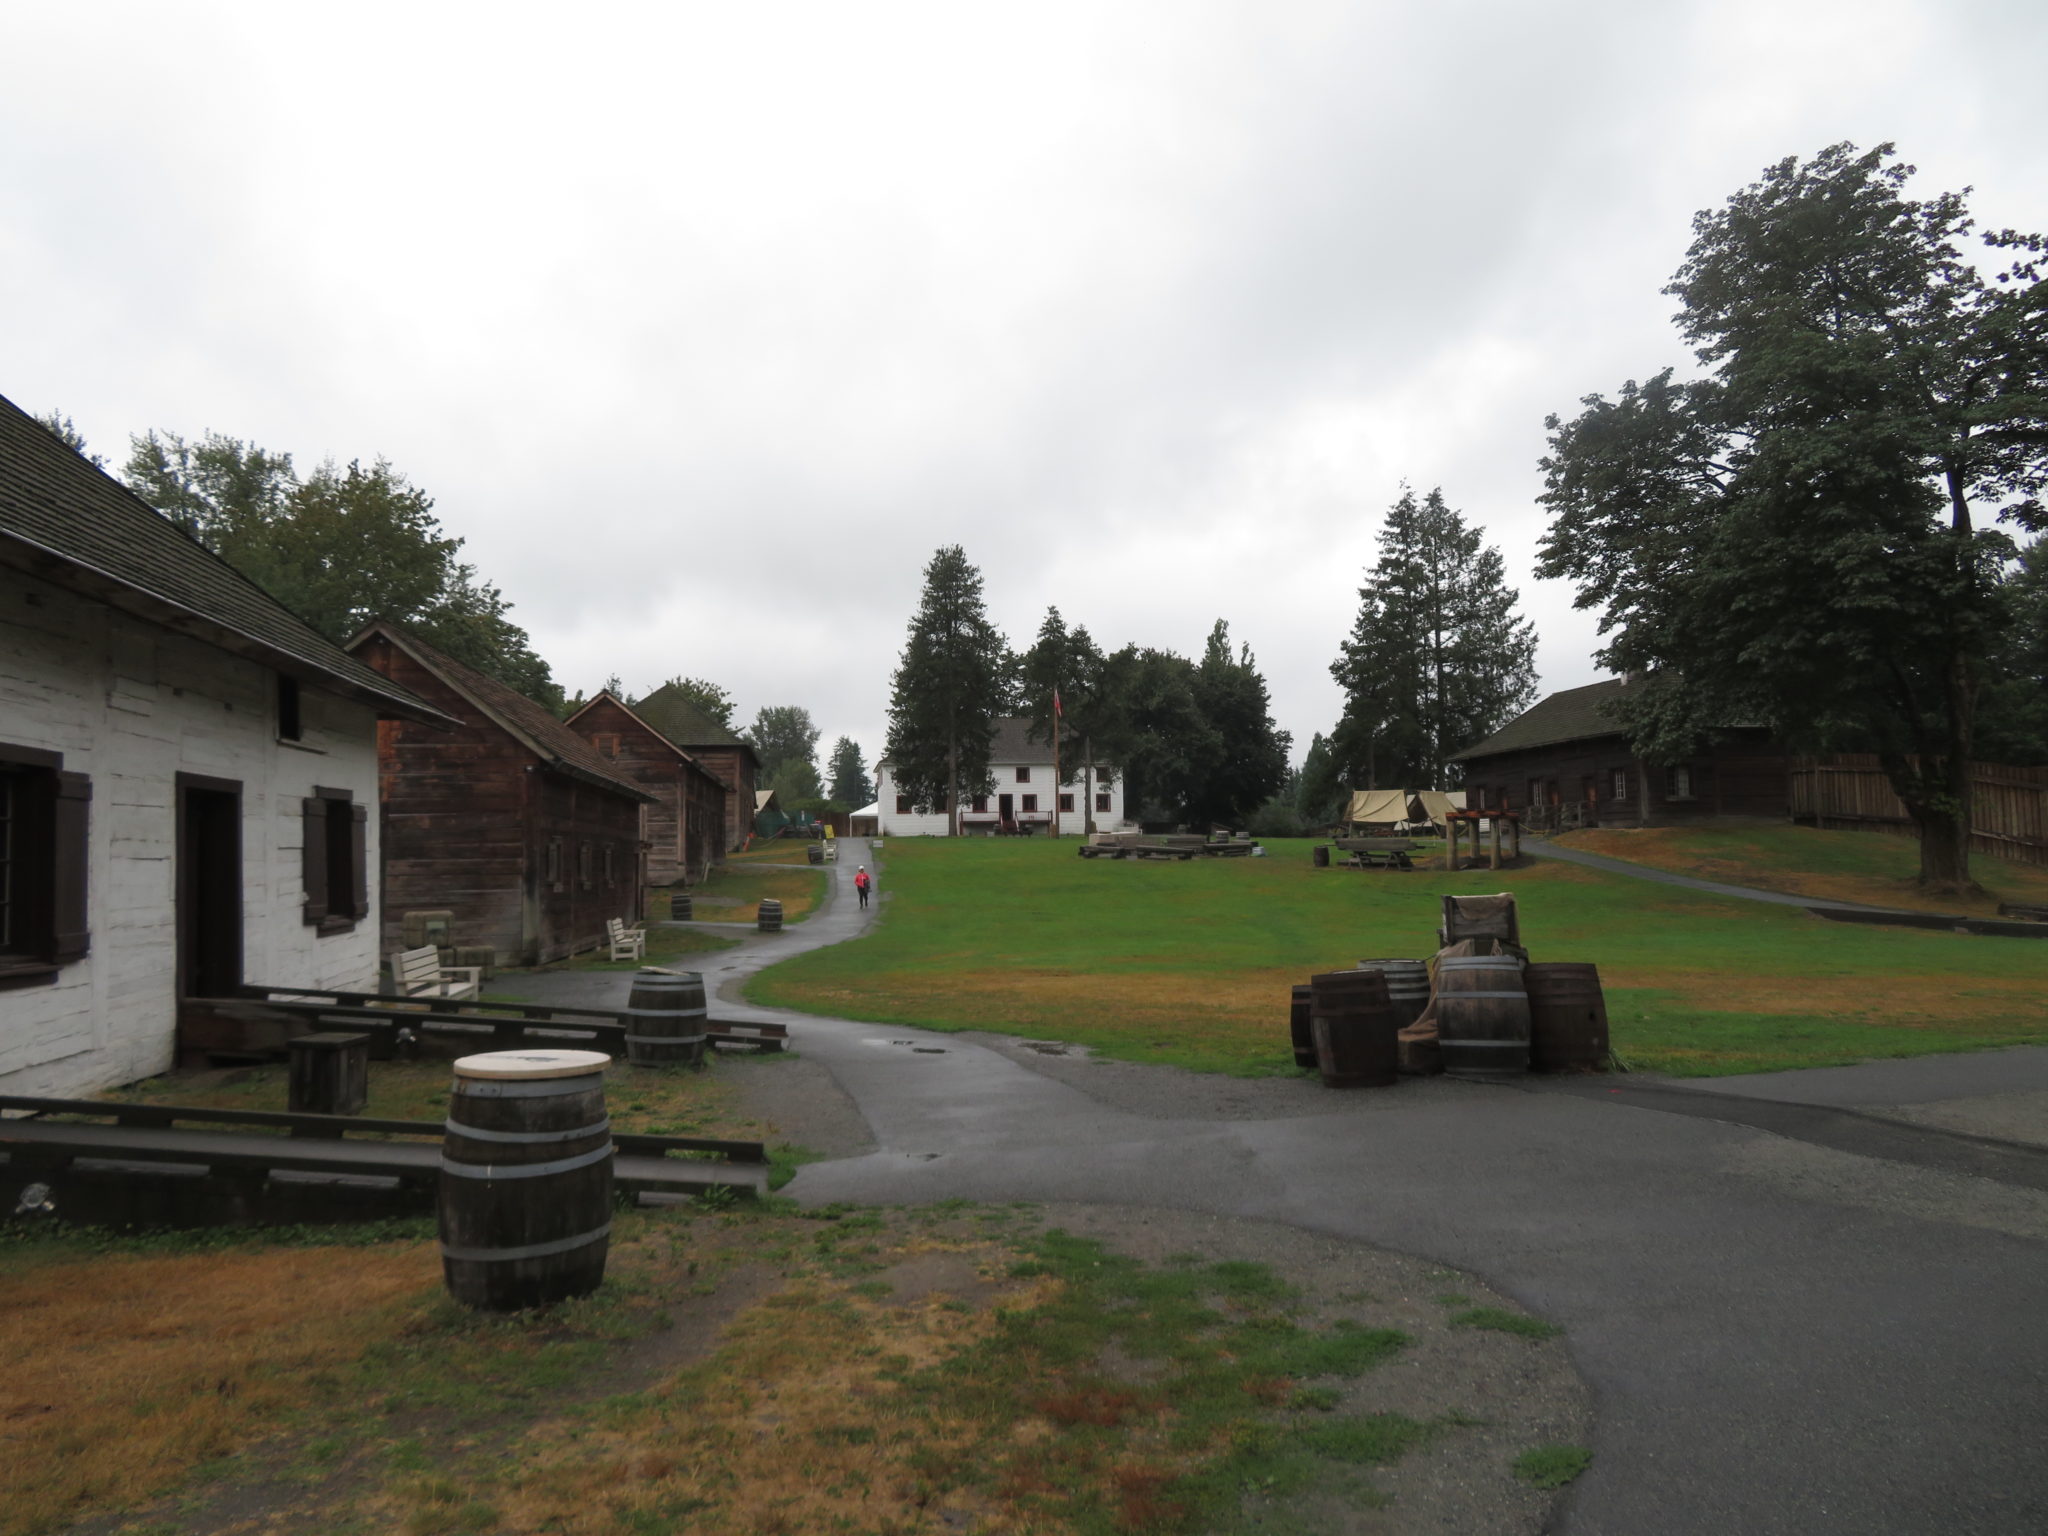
(719, 751)
(685, 826)
(1567, 762)
(512, 822)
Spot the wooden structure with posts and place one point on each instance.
(1457, 823)
(2008, 805)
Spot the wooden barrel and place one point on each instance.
(815, 854)
(665, 1019)
(1320, 855)
(680, 906)
(1407, 986)
(1353, 1026)
(526, 1179)
(1482, 1016)
(769, 920)
(1567, 1018)
(1299, 1030)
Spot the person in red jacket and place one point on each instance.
(861, 882)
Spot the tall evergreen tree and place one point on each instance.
(1319, 789)
(949, 686)
(1438, 656)
(1158, 732)
(1246, 759)
(851, 786)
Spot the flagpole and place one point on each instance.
(1057, 781)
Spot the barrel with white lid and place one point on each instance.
(526, 1178)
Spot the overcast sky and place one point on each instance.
(706, 324)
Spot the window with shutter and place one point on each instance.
(45, 825)
(333, 860)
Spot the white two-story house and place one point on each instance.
(1026, 797)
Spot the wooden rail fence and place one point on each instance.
(2008, 808)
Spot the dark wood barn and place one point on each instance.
(717, 749)
(685, 826)
(1565, 762)
(512, 822)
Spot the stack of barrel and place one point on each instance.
(1488, 1013)
(769, 919)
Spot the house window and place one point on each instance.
(980, 804)
(1621, 783)
(1027, 802)
(1102, 802)
(1066, 802)
(44, 816)
(1535, 793)
(333, 860)
(1023, 773)
(1678, 782)
(903, 805)
(289, 727)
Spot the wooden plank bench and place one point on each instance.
(420, 973)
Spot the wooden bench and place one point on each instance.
(627, 943)
(420, 973)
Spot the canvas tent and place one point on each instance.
(1431, 805)
(1377, 807)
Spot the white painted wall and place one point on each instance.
(1074, 823)
(133, 705)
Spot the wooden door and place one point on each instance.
(209, 889)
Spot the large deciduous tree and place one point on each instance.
(782, 734)
(851, 786)
(339, 547)
(1437, 658)
(1797, 537)
(1067, 665)
(948, 688)
(709, 698)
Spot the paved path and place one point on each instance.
(1786, 1328)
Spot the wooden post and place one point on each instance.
(1515, 839)
(1494, 863)
(1450, 842)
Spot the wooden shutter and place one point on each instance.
(313, 864)
(71, 928)
(359, 858)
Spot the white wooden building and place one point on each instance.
(187, 775)
(1024, 797)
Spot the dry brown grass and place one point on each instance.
(118, 1375)
(797, 1425)
(1873, 869)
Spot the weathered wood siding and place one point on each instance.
(735, 766)
(133, 705)
(1744, 776)
(472, 818)
(685, 829)
(2008, 805)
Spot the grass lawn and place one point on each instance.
(1191, 963)
(734, 890)
(780, 850)
(758, 1373)
(664, 946)
(1870, 867)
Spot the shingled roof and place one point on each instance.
(64, 519)
(672, 714)
(532, 725)
(1575, 714)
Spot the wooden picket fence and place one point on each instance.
(2008, 808)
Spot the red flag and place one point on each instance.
(1056, 704)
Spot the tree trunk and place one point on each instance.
(1088, 782)
(953, 786)
(1936, 795)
